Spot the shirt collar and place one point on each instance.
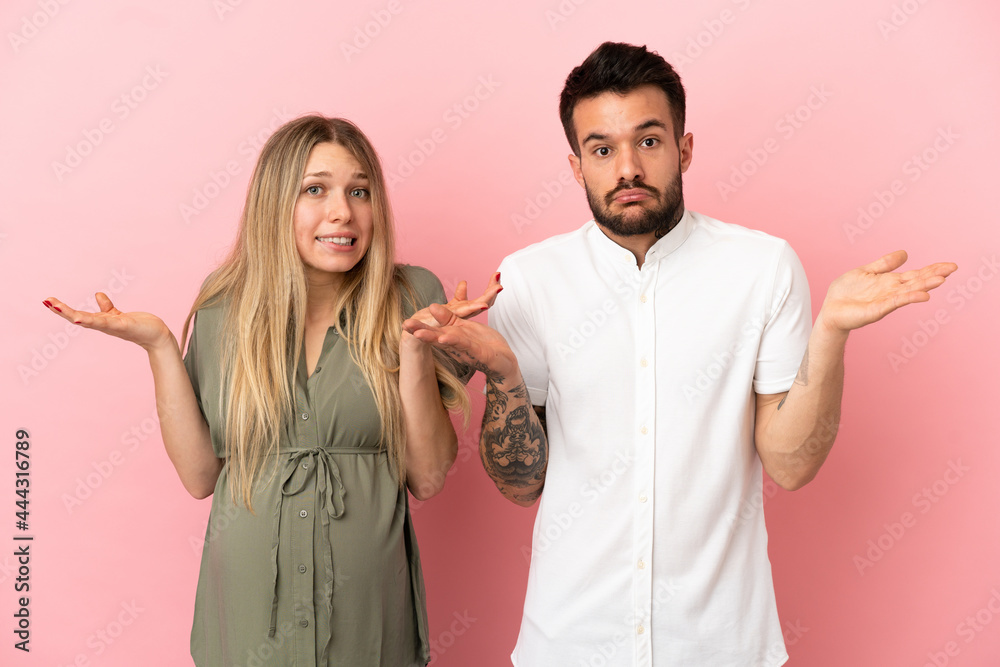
(662, 248)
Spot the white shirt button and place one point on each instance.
(641, 564)
(643, 362)
(642, 498)
(640, 630)
(643, 298)
(644, 430)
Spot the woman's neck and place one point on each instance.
(321, 299)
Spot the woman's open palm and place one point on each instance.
(143, 329)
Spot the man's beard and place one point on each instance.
(659, 220)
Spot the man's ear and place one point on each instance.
(686, 147)
(574, 164)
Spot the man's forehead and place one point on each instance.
(611, 112)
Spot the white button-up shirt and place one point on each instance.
(649, 547)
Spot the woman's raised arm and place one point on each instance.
(184, 430)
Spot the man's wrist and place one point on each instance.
(829, 333)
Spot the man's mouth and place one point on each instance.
(631, 193)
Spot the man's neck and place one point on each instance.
(639, 244)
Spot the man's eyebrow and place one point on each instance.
(594, 136)
(652, 122)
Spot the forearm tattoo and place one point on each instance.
(802, 377)
(513, 445)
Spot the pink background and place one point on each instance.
(859, 582)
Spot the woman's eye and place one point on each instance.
(313, 189)
(360, 193)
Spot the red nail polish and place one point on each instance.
(497, 277)
(77, 322)
(500, 290)
(57, 309)
(46, 304)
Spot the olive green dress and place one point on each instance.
(325, 572)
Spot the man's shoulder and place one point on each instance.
(716, 230)
(547, 251)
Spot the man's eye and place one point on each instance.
(603, 151)
(649, 143)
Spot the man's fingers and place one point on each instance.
(441, 313)
(414, 326)
(424, 333)
(886, 263)
(104, 302)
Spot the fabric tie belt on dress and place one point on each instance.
(319, 464)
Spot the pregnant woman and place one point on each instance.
(308, 412)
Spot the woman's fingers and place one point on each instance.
(62, 310)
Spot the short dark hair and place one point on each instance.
(620, 68)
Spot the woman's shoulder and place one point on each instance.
(419, 286)
(209, 317)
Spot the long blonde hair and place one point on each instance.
(263, 285)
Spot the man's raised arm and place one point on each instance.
(512, 445)
(795, 431)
